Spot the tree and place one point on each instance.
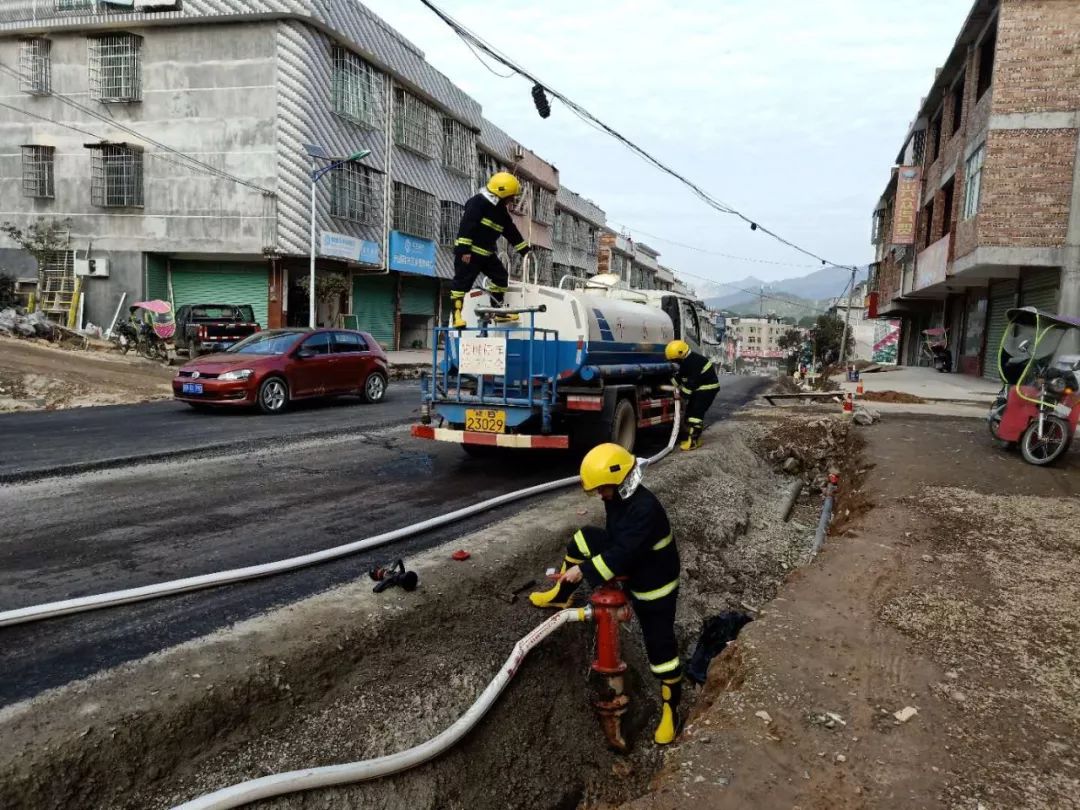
(330, 288)
(791, 342)
(827, 331)
(42, 240)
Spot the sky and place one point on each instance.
(792, 112)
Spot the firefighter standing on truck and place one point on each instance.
(697, 382)
(638, 544)
(485, 219)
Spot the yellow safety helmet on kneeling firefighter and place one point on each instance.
(606, 464)
(503, 185)
(677, 350)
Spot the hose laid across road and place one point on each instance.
(350, 772)
(82, 604)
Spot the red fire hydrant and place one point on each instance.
(610, 608)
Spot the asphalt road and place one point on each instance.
(82, 439)
(135, 525)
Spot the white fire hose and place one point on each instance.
(51, 610)
(365, 770)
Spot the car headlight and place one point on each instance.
(239, 374)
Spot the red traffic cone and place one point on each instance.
(849, 404)
(859, 388)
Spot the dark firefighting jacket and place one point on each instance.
(696, 374)
(485, 219)
(640, 546)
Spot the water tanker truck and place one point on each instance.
(584, 364)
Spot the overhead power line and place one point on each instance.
(475, 41)
(709, 252)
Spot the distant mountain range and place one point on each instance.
(791, 297)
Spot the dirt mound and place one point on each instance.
(892, 396)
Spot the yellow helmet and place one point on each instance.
(606, 464)
(503, 185)
(677, 350)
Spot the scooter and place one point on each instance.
(936, 348)
(1039, 405)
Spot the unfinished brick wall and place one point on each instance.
(603, 257)
(1027, 187)
(1037, 68)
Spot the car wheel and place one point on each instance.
(199, 406)
(374, 388)
(273, 396)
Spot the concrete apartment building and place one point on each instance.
(173, 137)
(757, 339)
(645, 267)
(982, 212)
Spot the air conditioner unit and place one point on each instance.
(92, 268)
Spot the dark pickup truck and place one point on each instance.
(202, 328)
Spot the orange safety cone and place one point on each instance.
(849, 404)
(859, 388)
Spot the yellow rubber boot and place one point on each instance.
(666, 730)
(692, 441)
(459, 320)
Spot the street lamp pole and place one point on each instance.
(317, 153)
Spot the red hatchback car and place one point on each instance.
(271, 369)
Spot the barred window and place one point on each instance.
(116, 176)
(75, 5)
(114, 67)
(522, 203)
(581, 235)
(35, 66)
(356, 89)
(487, 166)
(564, 227)
(415, 124)
(449, 220)
(415, 212)
(459, 146)
(38, 171)
(353, 192)
(543, 210)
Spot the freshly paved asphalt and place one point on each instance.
(312, 479)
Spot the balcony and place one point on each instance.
(931, 267)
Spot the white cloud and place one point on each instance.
(791, 111)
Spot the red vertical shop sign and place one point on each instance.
(908, 190)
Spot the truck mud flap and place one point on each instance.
(515, 440)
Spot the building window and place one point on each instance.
(987, 51)
(877, 231)
(35, 66)
(958, 103)
(415, 212)
(114, 67)
(116, 176)
(38, 172)
(973, 181)
(949, 195)
(450, 214)
(936, 138)
(75, 5)
(353, 193)
(918, 148)
(543, 210)
(487, 166)
(459, 146)
(522, 203)
(415, 124)
(356, 89)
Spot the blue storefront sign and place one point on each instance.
(342, 246)
(411, 254)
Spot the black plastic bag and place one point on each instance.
(716, 632)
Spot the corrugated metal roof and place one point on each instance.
(579, 206)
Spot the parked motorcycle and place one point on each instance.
(154, 327)
(126, 336)
(936, 348)
(1039, 404)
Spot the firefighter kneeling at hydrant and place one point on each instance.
(697, 382)
(638, 544)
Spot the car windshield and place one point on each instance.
(266, 343)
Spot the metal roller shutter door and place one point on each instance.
(1002, 298)
(418, 295)
(1040, 290)
(209, 283)
(373, 305)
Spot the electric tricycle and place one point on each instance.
(1038, 406)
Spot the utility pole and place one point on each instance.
(847, 316)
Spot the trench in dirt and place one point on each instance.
(381, 682)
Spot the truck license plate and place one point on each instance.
(193, 388)
(484, 421)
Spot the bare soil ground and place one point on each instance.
(929, 658)
(892, 396)
(37, 375)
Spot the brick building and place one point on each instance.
(982, 212)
